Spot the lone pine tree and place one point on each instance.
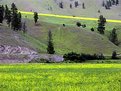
(50, 48)
(113, 37)
(35, 17)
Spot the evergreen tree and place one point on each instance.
(8, 17)
(117, 2)
(101, 24)
(83, 5)
(14, 21)
(113, 37)
(50, 49)
(1, 14)
(19, 21)
(70, 6)
(13, 8)
(24, 27)
(35, 17)
(103, 4)
(76, 4)
(6, 11)
(3, 9)
(61, 5)
(114, 55)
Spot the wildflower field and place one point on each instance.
(60, 77)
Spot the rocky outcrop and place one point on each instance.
(12, 54)
(17, 54)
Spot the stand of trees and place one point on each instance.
(109, 3)
(75, 57)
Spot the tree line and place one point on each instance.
(14, 20)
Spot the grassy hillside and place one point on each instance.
(60, 77)
(66, 39)
(43, 6)
(9, 37)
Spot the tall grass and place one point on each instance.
(60, 77)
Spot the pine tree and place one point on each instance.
(83, 5)
(114, 55)
(117, 2)
(113, 37)
(50, 49)
(35, 17)
(8, 17)
(70, 6)
(19, 21)
(14, 21)
(6, 11)
(13, 8)
(61, 5)
(1, 14)
(101, 24)
(103, 4)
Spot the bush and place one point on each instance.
(82, 57)
(78, 24)
(92, 29)
(114, 55)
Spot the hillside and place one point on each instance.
(66, 39)
(52, 6)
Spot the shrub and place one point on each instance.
(78, 24)
(82, 57)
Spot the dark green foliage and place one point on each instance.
(19, 21)
(78, 24)
(117, 2)
(8, 17)
(114, 55)
(1, 14)
(13, 8)
(113, 37)
(50, 48)
(16, 18)
(61, 5)
(103, 4)
(101, 24)
(70, 6)
(84, 25)
(83, 5)
(6, 11)
(92, 29)
(82, 57)
(16, 21)
(76, 4)
(36, 17)
(72, 56)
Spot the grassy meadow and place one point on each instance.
(60, 77)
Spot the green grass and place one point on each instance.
(60, 77)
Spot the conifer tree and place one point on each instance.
(113, 37)
(1, 14)
(101, 24)
(35, 17)
(50, 48)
